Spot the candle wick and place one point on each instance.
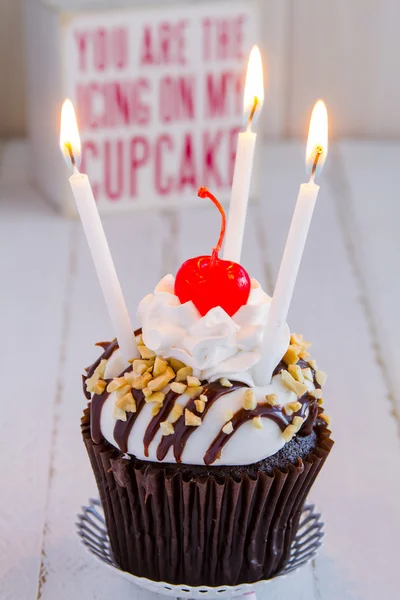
(315, 163)
(252, 113)
(71, 154)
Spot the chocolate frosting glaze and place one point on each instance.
(181, 434)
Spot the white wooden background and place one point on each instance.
(346, 51)
(347, 299)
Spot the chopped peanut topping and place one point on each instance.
(228, 415)
(145, 352)
(116, 384)
(98, 374)
(249, 400)
(326, 418)
(320, 377)
(257, 422)
(307, 374)
(160, 366)
(142, 381)
(123, 390)
(193, 381)
(203, 398)
(313, 364)
(298, 338)
(99, 387)
(184, 373)
(147, 393)
(296, 373)
(140, 368)
(289, 433)
(157, 397)
(228, 428)
(317, 394)
(194, 392)
(272, 399)
(225, 382)
(295, 406)
(119, 414)
(176, 364)
(291, 357)
(161, 381)
(178, 388)
(166, 428)
(156, 409)
(200, 405)
(297, 423)
(298, 388)
(191, 420)
(320, 401)
(287, 410)
(176, 412)
(126, 403)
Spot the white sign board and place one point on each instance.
(159, 98)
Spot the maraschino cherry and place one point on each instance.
(209, 281)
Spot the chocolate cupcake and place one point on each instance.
(203, 474)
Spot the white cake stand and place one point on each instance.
(92, 530)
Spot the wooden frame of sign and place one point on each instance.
(158, 92)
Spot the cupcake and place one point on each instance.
(203, 473)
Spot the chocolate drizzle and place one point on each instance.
(181, 434)
(95, 414)
(123, 429)
(154, 424)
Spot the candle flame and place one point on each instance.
(317, 143)
(70, 141)
(254, 87)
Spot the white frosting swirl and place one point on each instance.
(215, 345)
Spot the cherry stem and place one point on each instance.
(204, 193)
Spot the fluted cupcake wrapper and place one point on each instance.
(202, 529)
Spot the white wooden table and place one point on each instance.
(347, 302)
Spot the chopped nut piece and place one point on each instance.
(176, 364)
(166, 428)
(145, 352)
(157, 397)
(193, 381)
(160, 366)
(298, 388)
(176, 412)
(228, 415)
(320, 377)
(313, 364)
(272, 399)
(194, 392)
(130, 378)
(320, 401)
(100, 386)
(287, 410)
(203, 398)
(326, 418)
(291, 357)
(191, 420)
(156, 409)
(183, 373)
(289, 433)
(228, 428)
(119, 414)
(142, 381)
(178, 388)
(161, 381)
(297, 423)
(249, 400)
(296, 373)
(98, 374)
(298, 338)
(123, 390)
(127, 403)
(116, 384)
(257, 422)
(307, 374)
(147, 393)
(140, 368)
(200, 405)
(317, 394)
(295, 406)
(225, 382)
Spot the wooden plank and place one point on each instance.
(67, 571)
(367, 201)
(34, 270)
(357, 490)
(347, 53)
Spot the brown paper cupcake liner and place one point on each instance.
(201, 529)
